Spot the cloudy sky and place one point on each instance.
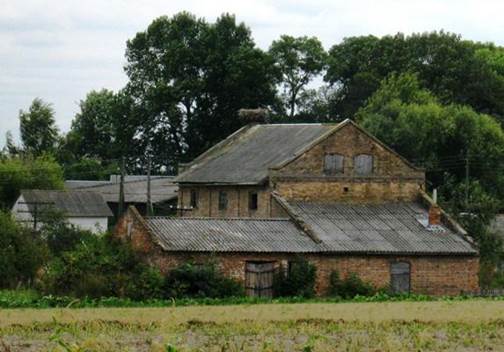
(60, 50)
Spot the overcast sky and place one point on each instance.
(60, 50)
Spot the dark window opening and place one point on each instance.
(345, 189)
(253, 201)
(333, 164)
(194, 198)
(363, 164)
(400, 277)
(223, 200)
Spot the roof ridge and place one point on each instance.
(219, 218)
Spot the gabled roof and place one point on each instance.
(71, 203)
(246, 156)
(387, 228)
(162, 189)
(229, 235)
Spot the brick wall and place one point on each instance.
(392, 178)
(238, 202)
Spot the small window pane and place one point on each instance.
(223, 201)
(363, 164)
(333, 164)
(253, 201)
(194, 198)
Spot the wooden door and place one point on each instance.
(259, 279)
(400, 277)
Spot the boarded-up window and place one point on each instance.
(333, 164)
(400, 276)
(223, 200)
(259, 279)
(363, 164)
(194, 198)
(253, 201)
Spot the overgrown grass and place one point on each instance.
(32, 299)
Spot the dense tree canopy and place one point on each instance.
(38, 128)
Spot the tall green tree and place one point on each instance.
(299, 61)
(39, 133)
(191, 78)
(444, 63)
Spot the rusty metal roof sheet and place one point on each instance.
(230, 235)
(379, 228)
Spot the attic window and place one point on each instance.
(363, 164)
(333, 164)
(223, 200)
(253, 200)
(194, 198)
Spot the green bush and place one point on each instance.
(189, 280)
(349, 287)
(101, 266)
(298, 280)
(22, 253)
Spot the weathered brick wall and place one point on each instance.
(392, 178)
(358, 191)
(238, 202)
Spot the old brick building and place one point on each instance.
(331, 193)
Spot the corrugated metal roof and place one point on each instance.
(247, 156)
(378, 228)
(72, 203)
(162, 189)
(229, 235)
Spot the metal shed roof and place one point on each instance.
(162, 189)
(72, 203)
(229, 235)
(244, 158)
(390, 228)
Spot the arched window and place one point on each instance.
(400, 277)
(363, 164)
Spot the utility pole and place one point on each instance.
(467, 180)
(120, 207)
(150, 210)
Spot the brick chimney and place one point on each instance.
(258, 115)
(434, 211)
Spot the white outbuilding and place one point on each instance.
(86, 210)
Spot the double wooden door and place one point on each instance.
(259, 279)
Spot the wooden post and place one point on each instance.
(150, 210)
(120, 207)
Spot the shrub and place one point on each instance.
(298, 280)
(189, 280)
(349, 287)
(22, 253)
(101, 266)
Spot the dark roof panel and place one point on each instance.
(248, 155)
(72, 203)
(378, 228)
(229, 235)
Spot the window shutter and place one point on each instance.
(333, 164)
(363, 164)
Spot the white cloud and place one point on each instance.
(60, 50)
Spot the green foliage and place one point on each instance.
(100, 266)
(298, 280)
(192, 78)
(38, 130)
(349, 287)
(22, 252)
(299, 60)
(445, 64)
(90, 169)
(189, 280)
(17, 173)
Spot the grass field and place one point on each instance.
(472, 325)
